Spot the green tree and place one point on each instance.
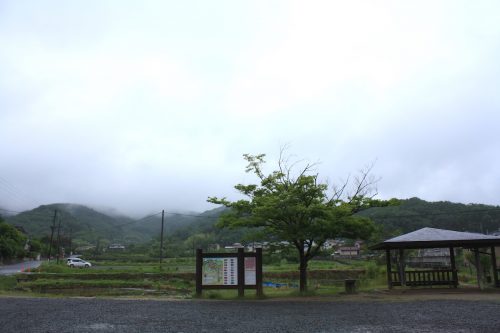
(199, 240)
(298, 208)
(11, 242)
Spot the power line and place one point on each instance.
(144, 218)
(15, 193)
(31, 213)
(10, 211)
(135, 221)
(375, 216)
(48, 213)
(167, 213)
(193, 215)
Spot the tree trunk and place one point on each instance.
(303, 274)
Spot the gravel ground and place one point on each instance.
(108, 315)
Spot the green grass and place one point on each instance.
(187, 265)
(7, 283)
(319, 264)
(96, 287)
(76, 283)
(107, 278)
(177, 274)
(169, 266)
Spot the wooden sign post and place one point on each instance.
(241, 270)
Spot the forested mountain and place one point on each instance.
(5, 212)
(88, 226)
(173, 222)
(414, 213)
(77, 221)
(204, 224)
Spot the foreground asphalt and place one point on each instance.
(111, 315)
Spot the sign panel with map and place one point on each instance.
(220, 271)
(241, 270)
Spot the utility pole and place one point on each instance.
(97, 246)
(161, 236)
(52, 227)
(58, 240)
(70, 241)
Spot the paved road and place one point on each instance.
(101, 315)
(19, 267)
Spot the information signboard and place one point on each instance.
(229, 271)
(220, 272)
(250, 271)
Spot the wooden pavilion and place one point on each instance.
(437, 238)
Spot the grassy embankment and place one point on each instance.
(7, 284)
(176, 279)
(112, 278)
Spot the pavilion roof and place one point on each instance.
(432, 237)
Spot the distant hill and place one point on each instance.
(204, 223)
(5, 212)
(410, 215)
(415, 213)
(183, 225)
(82, 222)
(88, 225)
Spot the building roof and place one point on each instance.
(348, 248)
(435, 238)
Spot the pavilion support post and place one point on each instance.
(402, 275)
(389, 272)
(494, 266)
(453, 267)
(479, 272)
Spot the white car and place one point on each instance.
(77, 262)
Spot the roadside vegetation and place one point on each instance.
(12, 242)
(176, 279)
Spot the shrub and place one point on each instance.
(372, 270)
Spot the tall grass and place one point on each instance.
(7, 283)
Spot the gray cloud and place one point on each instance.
(142, 108)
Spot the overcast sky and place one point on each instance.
(149, 105)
